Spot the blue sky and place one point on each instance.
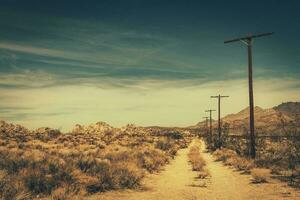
(144, 62)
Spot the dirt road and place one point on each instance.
(178, 182)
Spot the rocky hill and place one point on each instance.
(291, 109)
(266, 120)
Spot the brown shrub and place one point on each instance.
(151, 159)
(196, 159)
(126, 175)
(11, 187)
(224, 154)
(47, 162)
(66, 192)
(260, 175)
(231, 158)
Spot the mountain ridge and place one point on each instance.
(267, 120)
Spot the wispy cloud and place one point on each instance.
(146, 102)
(27, 79)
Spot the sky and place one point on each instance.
(147, 62)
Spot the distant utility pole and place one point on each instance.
(210, 124)
(206, 127)
(248, 41)
(219, 118)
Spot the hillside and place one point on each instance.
(290, 108)
(266, 120)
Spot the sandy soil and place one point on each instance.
(178, 182)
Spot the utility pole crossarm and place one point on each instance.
(248, 37)
(218, 96)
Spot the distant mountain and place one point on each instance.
(289, 108)
(266, 120)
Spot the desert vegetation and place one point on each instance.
(89, 159)
(231, 158)
(260, 175)
(278, 152)
(197, 161)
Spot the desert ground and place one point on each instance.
(98, 161)
(179, 181)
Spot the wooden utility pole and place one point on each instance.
(219, 118)
(210, 124)
(206, 128)
(248, 41)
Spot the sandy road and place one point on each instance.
(178, 182)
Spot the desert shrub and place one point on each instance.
(244, 164)
(151, 159)
(11, 160)
(283, 155)
(94, 166)
(196, 159)
(45, 134)
(39, 182)
(118, 176)
(174, 135)
(224, 154)
(119, 156)
(238, 145)
(115, 173)
(61, 194)
(85, 163)
(66, 192)
(273, 154)
(164, 144)
(12, 188)
(126, 175)
(44, 175)
(45, 162)
(260, 175)
(168, 145)
(231, 158)
(60, 170)
(295, 178)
